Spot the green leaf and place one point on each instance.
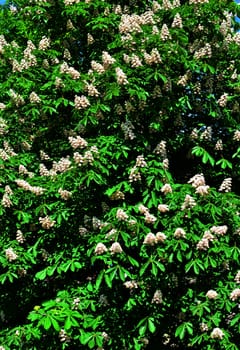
(142, 329)
(47, 323)
(179, 256)
(122, 273)
(77, 265)
(160, 266)
(33, 316)
(99, 340)
(91, 343)
(68, 323)
(154, 269)
(198, 151)
(85, 337)
(50, 270)
(55, 324)
(133, 261)
(196, 268)
(189, 265)
(144, 267)
(180, 331)
(224, 163)
(108, 280)
(151, 325)
(41, 275)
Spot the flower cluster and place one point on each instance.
(81, 102)
(62, 165)
(64, 194)
(165, 35)
(196, 2)
(206, 134)
(161, 149)
(235, 294)
(121, 76)
(237, 277)
(152, 239)
(76, 302)
(157, 297)
(107, 59)
(217, 333)
(90, 39)
(97, 67)
(226, 185)
(121, 215)
(163, 208)
(130, 23)
(64, 338)
(153, 57)
(203, 327)
(37, 190)
(194, 134)
(47, 222)
(177, 21)
(179, 233)
(157, 92)
(17, 99)
(67, 55)
(209, 236)
(127, 129)
(219, 230)
(22, 170)
(3, 43)
(198, 182)
(149, 218)
(219, 145)
(43, 171)
(134, 175)
(64, 68)
(44, 43)
(6, 201)
(203, 52)
(134, 172)
(19, 237)
(135, 61)
(222, 101)
(165, 163)
(236, 136)
(189, 202)
(34, 98)
(10, 254)
(131, 284)
(29, 59)
(166, 189)
(203, 244)
(117, 195)
(77, 142)
(183, 80)
(111, 235)
(92, 90)
(82, 231)
(85, 159)
(211, 294)
(44, 155)
(115, 248)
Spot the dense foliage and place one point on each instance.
(119, 167)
